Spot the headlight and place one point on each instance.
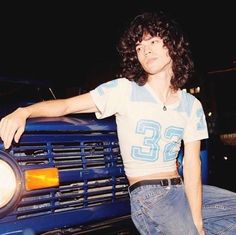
(8, 183)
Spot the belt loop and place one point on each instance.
(129, 191)
(165, 182)
(169, 182)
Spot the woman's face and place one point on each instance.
(153, 55)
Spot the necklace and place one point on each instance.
(164, 108)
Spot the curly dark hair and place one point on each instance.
(173, 38)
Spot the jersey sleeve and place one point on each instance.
(108, 97)
(196, 128)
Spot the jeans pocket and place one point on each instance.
(149, 195)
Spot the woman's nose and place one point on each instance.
(147, 50)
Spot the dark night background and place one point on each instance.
(73, 44)
(75, 41)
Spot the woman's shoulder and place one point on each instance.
(188, 96)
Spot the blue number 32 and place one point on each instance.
(151, 132)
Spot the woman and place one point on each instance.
(154, 116)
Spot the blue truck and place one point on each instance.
(66, 176)
(65, 172)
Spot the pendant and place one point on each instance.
(164, 108)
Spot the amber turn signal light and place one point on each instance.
(41, 178)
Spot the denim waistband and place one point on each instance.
(162, 182)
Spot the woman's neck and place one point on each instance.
(162, 88)
(161, 85)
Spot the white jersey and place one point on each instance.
(149, 137)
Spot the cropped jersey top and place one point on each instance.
(149, 137)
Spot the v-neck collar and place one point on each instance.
(155, 96)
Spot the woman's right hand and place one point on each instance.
(12, 126)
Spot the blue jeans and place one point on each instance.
(163, 210)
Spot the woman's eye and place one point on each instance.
(154, 42)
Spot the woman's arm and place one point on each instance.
(13, 125)
(192, 182)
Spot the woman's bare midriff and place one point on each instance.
(164, 175)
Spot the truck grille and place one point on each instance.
(90, 169)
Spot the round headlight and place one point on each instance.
(8, 183)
